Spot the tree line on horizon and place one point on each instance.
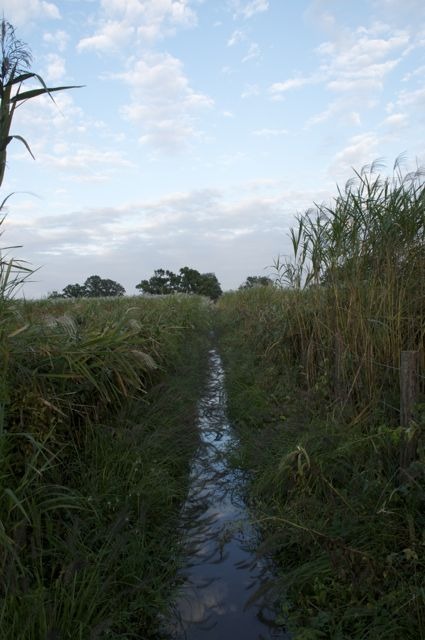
(163, 282)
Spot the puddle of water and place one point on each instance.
(221, 573)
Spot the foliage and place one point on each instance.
(97, 287)
(100, 407)
(15, 71)
(71, 291)
(342, 521)
(161, 283)
(186, 281)
(256, 281)
(94, 287)
(374, 228)
(313, 387)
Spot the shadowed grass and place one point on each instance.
(99, 433)
(313, 385)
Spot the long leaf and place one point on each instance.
(33, 93)
(4, 202)
(21, 78)
(23, 141)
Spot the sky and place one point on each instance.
(203, 128)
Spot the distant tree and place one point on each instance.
(256, 281)
(74, 291)
(97, 287)
(162, 282)
(210, 286)
(94, 287)
(54, 294)
(188, 280)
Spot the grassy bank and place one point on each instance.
(313, 383)
(98, 428)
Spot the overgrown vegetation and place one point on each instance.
(313, 383)
(97, 423)
(98, 427)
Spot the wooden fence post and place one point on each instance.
(409, 365)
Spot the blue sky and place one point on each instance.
(203, 128)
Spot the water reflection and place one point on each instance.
(221, 572)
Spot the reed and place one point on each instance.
(313, 376)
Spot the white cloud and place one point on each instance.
(359, 61)
(360, 150)
(229, 159)
(58, 38)
(353, 117)
(59, 135)
(249, 9)
(369, 78)
(323, 116)
(84, 159)
(409, 12)
(227, 71)
(319, 15)
(182, 228)
(341, 110)
(142, 21)
(278, 88)
(255, 6)
(354, 65)
(162, 101)
(236, 37)
(42, 114)
(418, 72)
(412, 98)
(55, 67)
(151, 11)
(22, 11)
(270, 133)
(112, 36)
(396, 121)
(409, 107)
(253, 52)
(250, 91)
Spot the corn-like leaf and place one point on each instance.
(4, 202)
(21, 78)
(10, 138)
(33, 93)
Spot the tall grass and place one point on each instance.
(313, 375)
(99, 427)
(12, 274)
(361, 259)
